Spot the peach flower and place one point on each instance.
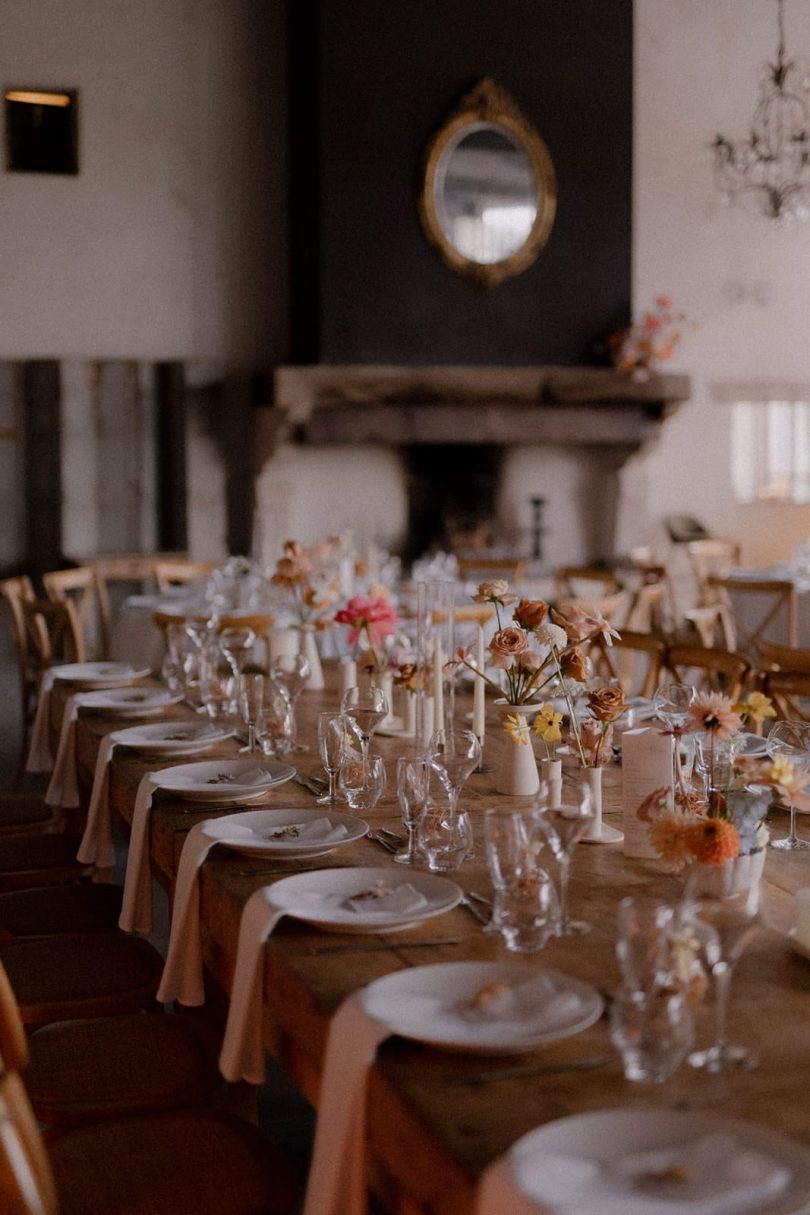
(530, 613)
(712, 841)
(505, 645)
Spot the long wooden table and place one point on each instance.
(432, 1125)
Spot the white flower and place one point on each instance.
(552, 635)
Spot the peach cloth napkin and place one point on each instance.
(63, 789)
(337, 1175)
(498, 1195)
(136, 905)
(40, 756)
(242, 1054)
(96, 847)
(183, 973)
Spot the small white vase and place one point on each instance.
(409, 714)
(551, 774)
(598, 832)
(516, 774)
(309, 647)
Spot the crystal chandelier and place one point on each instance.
(770, 170)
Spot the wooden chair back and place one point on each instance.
(15, 592)
(709, 669)
(790, 693)
(181, 573)
(782, 658)
(53, 634)
(26, 1181)
(713, 625)
(710, 558)
(773, 604)
(79, 587)
(583, 582)
(634, 661)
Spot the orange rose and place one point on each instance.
(530, 613)
(575, 665)
(606, 704)
(505, 645)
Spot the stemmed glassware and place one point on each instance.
(723, 904)
(365, 708)
(290, 672)
(236, 644)
(790, 740)
(671, 703)
(563, 827)
(332, 749)
(413, 782)
(251, 702)
(453, 755)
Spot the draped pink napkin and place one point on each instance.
(337, 1177)
(96, 847)
(242, 1055)
(63, 788)
(183, 973)
(40, 756)
(498, 1195)
(136, 905)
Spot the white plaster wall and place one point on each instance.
(744, 279)
(171, 242)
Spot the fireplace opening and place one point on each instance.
(452, 492)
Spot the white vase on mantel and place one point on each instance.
(516, 774)
(308, 646)
(598, 832)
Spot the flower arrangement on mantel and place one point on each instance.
(300, 571)
(685, 827)
(654, 339)
(540, 648)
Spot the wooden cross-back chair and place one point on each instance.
(634, 661)
(709, 669)
(583, 582)
(710, 558)
(773, 608)
(26, 1181)
(15, 592)
(79, 587)
(181, 573)
(790, 693)
(782, 658)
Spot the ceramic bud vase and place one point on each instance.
(309, 647)
(551, 774)
(598, 832)
(385, 680)
(409, 713)
(516, 774)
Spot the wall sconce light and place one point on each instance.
(41, 130)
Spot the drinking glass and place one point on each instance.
(453, 755)
(275, 728)
(563, 827)
(173, 667)
(529, 909)
(723, 903)
(644, 941)
(671, 703)
(362, 780)
(791, 740)
(445, 837)
(332, 748)
(508, 836)
(236, 644)
(251, 702)
(413, 780)
(714, 761)
(290, 673)
(652, 1029)
(365, 708)
(217, 683)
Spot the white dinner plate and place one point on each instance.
(223, 780)
(648, 1161)
(321, 898)
(523, 1006)
(100, 674)
(172, 737)
(297, 833)
(131, 702)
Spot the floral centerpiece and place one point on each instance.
(299, 571)
(654, 339)
(372, 621)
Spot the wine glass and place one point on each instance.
(365, 708)
(332, 748)
(563, 827)
(453, 755)
(236, 644)
(413, 780)
(290, 672)
(790, 740)
(723, 904)
(671, 703)
(251, 702)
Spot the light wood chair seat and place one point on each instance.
(116, 1067)
(80, 974)
(53, 910)
(180, 573)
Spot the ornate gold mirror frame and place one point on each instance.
(490, 106)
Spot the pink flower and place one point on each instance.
(505, 645)
(370, 613)
(714, 713)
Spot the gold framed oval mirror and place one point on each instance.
(489, 191)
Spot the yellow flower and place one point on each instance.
(757, 706)
(517, 728)
(547, 724)
(784, 774)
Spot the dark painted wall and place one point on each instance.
(370, 82)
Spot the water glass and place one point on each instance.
(251, 702)
(652, 1030)
(413, 783)
(528, 910)
(275, 725)
(362, 780)
(507, 836)
(444, 837)
(644, 944)
(217, 683)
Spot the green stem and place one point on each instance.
(566, 695)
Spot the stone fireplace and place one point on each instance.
(452, 457)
